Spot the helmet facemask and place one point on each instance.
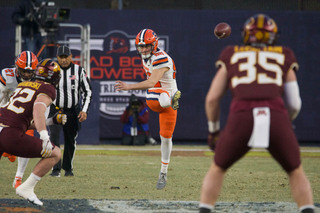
(140, 48)
(25, 74)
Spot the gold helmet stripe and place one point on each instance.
(45, 61)
(260, 23)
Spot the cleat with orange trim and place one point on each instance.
(5, 155)
(11, 158)
(17, 182)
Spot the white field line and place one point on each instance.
(174, 149)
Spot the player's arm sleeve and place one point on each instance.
(161, 62)
(292, 98)
(86, 91)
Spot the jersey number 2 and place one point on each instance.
(14, 99)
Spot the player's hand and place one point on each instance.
(46, 144)
(120, 85)
(212, 139)
(59, 118)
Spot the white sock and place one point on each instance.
(207, 206)
(22, 165)
(164, 100)
(166, 148)
(32, 181)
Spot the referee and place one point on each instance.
(74, 82)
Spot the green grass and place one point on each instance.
(132, 174)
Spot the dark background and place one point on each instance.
(189, 25)
(293, 5)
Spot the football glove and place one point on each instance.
(212, 139)
(59, 118)
(46, 144)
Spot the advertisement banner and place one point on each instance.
(187, 36)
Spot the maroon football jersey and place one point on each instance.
(256, 75)
(18, 112)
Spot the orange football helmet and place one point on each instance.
(26, 62)
(147, 37)
(49, 71)
(260, 30)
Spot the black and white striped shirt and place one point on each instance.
(73, 82)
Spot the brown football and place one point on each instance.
(222, 30)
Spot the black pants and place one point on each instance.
(138, 140)
(70, 133)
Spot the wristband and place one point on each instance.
(213, 126)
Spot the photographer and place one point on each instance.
(23, 15)
(135, 118)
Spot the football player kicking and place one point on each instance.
(24, 70)
(162, 92)
(28, 103)
(258, 74)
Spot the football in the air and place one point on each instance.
(222, 30)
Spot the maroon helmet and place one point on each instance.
(48, 71)
(260, 30)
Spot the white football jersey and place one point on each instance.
(8, 83)
(159, 60)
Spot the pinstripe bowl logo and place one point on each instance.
(114, 57)
(113, 103)
(120, 62)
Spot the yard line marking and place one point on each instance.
(175, 149)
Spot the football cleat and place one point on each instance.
(34, 200)
(11, 158)
(162, 181)
(28, 194)
(175, 100)
(17, 182)
(69, 173)
(55, 173)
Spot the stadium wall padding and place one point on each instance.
(187, 36)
